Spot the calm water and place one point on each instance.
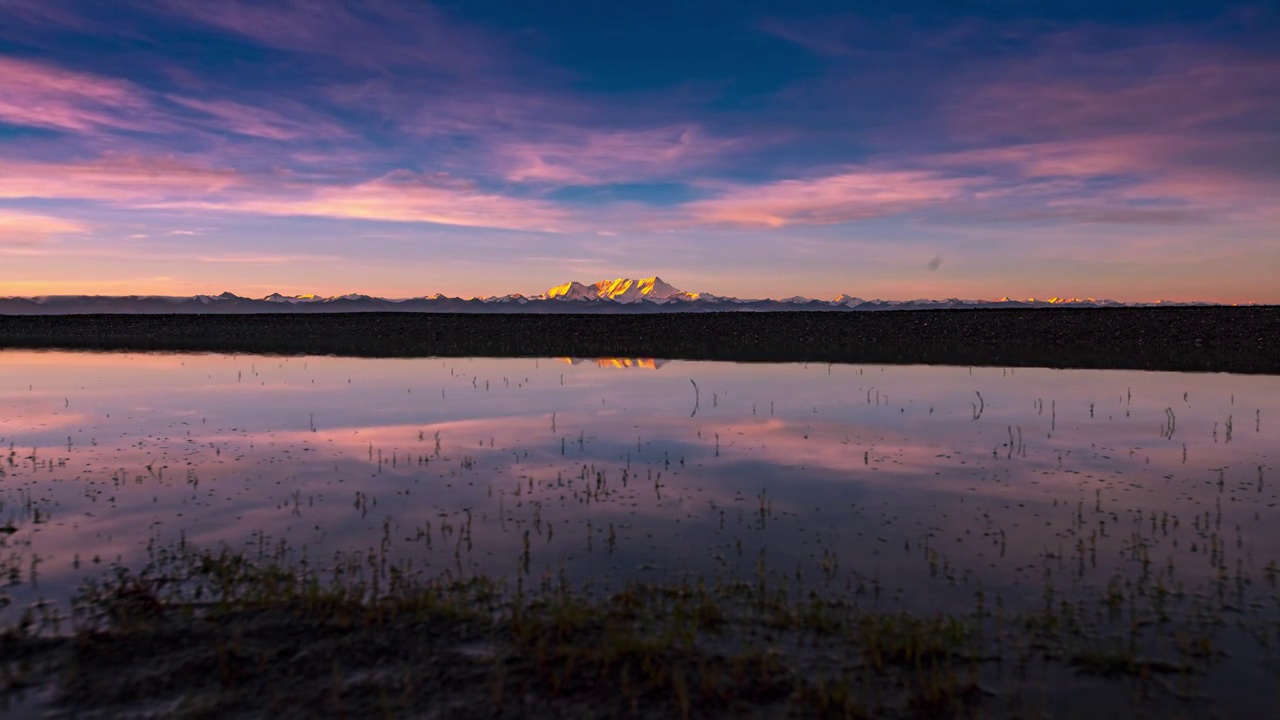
(906, 486)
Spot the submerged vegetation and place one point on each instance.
(223, 634)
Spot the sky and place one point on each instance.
(896, 150)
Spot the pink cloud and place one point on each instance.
(579, 156)
(127, 179)
(1150, 132)
(1091, 125)
(372, 34)
(1110, 179)
(1069, 158)
(441, 107)
(858, 194)
(25, 229)
(284, 24)
(1223, 195)
(267, 259)
(544, 137)
(260, 122)
(1139, 169)
(1071, 93)
(40, 95)
(21, 16)
(401, 196)
(178, 183)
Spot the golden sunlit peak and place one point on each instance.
(619, 363)
(1056, 301)
(623, 290)
(306, 298)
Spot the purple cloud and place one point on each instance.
(372, 34)
(852, 195)
(43, 95)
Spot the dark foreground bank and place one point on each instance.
(1211, 339)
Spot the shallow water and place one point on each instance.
(909, 486)
(1106, 497)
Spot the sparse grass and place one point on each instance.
(1117, 662)
(223, 633)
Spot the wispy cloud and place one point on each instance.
(261, 122)
(125, 179)
(374, 34)
(20, 229)
(1187, 140)
(250, 259)
(179, 183)
(856, 194)
(42, 95)
(584, 156)
(1081, 124)
(539, 135)
(41, 12)
(400, 196)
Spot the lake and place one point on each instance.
(915, 487)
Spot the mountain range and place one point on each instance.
(623, 295)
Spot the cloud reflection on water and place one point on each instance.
(880, 466)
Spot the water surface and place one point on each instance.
(906, 478)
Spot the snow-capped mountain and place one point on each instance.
(516, 298)
(308, 298)
(622, 290)
(627, 290)
(621, 295)
(572, 291)
(312, 298)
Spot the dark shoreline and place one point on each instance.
(1191, 339)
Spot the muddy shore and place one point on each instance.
(1196, 339)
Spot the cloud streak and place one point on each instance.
(131, 179)
(180, 184)
(372, 34)
(400, 196)
(20, 229)
(849, 196)
(1069, 92)
(260, 122)
(584, 157)
(41, 95)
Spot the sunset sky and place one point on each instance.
(1125, 150)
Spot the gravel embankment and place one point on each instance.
(1213, 339)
